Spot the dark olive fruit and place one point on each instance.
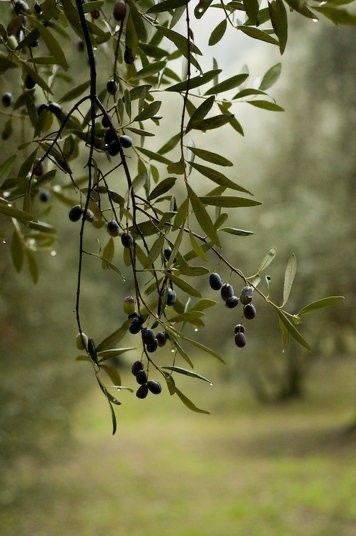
(111, 87)
(38, 9)
(55, 108)
(239, 329)
(126, 240)
(29, 82)
(38, 168)
(154, 387)
(142, 391)
(171, 296)
(135, 326)
(42, 108)
(113, 148)
(81, 46)
(141, 377)
(232, 302)
(167, 252)
(89, 215)
(119, 11)
(133, 315)
(105, 121)
(246, 295)
(148, 336)
(128, 56)
(227, 291)
(161, 338)
(110, 136)
(21, 7)
(95, 14)
(249, 311)
(7, 99)
(215, 281)
(152, 346)
(240, 339)
(125, 141)
(44, 197)
(75, 213)
(113, 228)
(136, 367)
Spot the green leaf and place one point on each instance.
(204, 348)
(186, 287)
(214, 158)
(154, 156)
(205, 303)
(180, 42)
(17, 252)
(266, 105)
(202, 216)
(75, 92)
(195, 81)
(167, 5)
(292, 329)
(187, 372)
(32, 265)
(252, 8)
(114, 338)
(255, 33)
(267, 259)
(42, 226)
(279, 20)
(271, 76)
(218, 33)
(212, 122)
(320, 304)
(218, 178)
(51, 42)
(113, 418)
(114, 352)
(7, 165)
(15, 213)
(234, 231)
(337, 15)
(289, 276)
(228, 84)
(162, 187)
(188, 403)
(150, 70)
(228, 201)
(170, 144)
(108, 254)
(155, 250)
(200, 112)
(148, 111)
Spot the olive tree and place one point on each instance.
(86, 139)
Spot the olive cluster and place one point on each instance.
(231, 301)
(151, 340)
(145, 384)
(113, 142)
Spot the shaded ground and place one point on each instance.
(245, 469)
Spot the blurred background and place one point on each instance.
(275, 456)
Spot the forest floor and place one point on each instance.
(246, 469)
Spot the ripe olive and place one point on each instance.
(125, 141)
(152, 346)
(246, 295)
(154, 387)
(148, 336)
(75, 213)
(119, 11)
(232, 302)
(226, 291)
(111, 86)
(171, 296)
(240, 339)
(142, 391)
(167, 252)
(29, 82)
(113, 147)
(7, 99)
(126, 240)
(113, 228)
(135, 326)
(44, 196)
(239, 328)
(215, 281)
(136, 367)
(141, 377)
(161, 338)
(249, 311)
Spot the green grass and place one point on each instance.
(243, 470)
